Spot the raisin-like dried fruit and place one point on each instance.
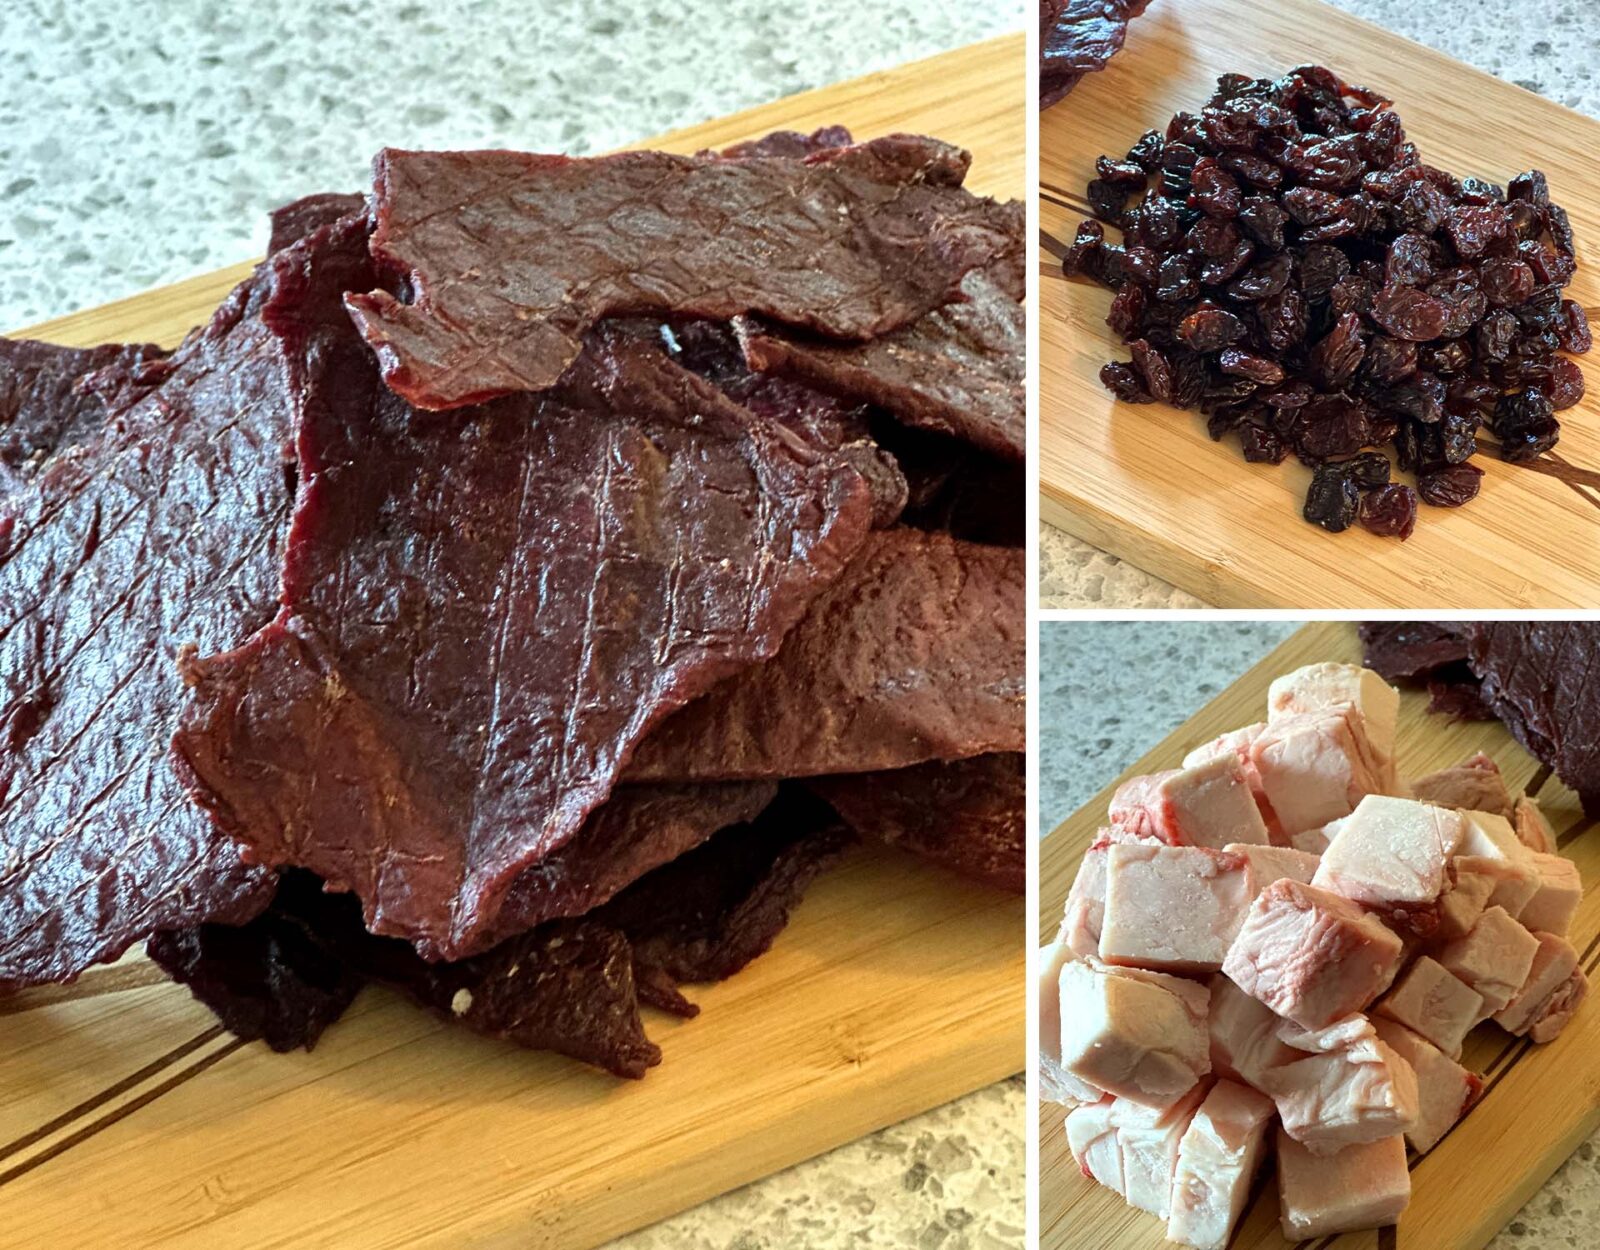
(1262, 445)
(1450, 486)
(1390, 511)
(1124, 382)
(1244, 365)
(1125, 174)
(1333, 500)
(1369, 470)
(1573, 328)
(1407, 313)
(1178, 278)
(1089, 239)
(1107, 199)
(1506, 282)
(1213, 189)
(1210, 329)
(1525, 426)
(1335, 358)
(1127, 311)
(1564, 387)
(1154, 368)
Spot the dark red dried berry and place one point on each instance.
(1506, 282)
(1407, 313)
(1178, 278)
(1210, 329)
(1107, 199)
(1451, 486)
(1153, 368)
(1124, 382)
(1333, 500)
(1525, 426)
(1127, 311)
(1213, 189)
(1390, 360)
(1564, 387)
(1368, 470)
(1335, 358)
(1412, 260)
(1390, 511)
(1244, 365)
(1573, 328)
(1091, 235)
(1261, 445)
(1321, 266)
(1125, 174)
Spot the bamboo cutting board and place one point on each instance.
(1145, 483)
(1539, 1103)
(128, 1118)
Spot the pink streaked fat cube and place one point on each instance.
(1464, 899)
(1217, 1159)
(1056, 1084)
(1329, 686)
(1349, 1088)
(1135, 1034)
(1430, 1001)
(1274, 863)
(1086, 902)
(1556, 899)
(1533, 829)
(1445, 1090)
(1364, 1186)
(1490, 845)
(1092, 1138)
(1209, 804)
(1244, 1035)
(1474, 784)
(1391, 854)
(1172, 908)
(1149, 1140)
(1552, 992)
(1316, 767)
(1237, 743)
(1311, 955)
(1494, 959)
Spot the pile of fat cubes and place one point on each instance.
(1282, 945)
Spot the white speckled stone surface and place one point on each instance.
(136, 151)
(1548, 46)
(1097, 716)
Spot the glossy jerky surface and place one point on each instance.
(915, 653)
(484, 611)
(505, 260)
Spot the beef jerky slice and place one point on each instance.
(47, 402)
(1409, 651)
(959, 370)
(165, 529)
(507, 259)
(788, 143)
(483, 612)
(968, 815)
(916, 653)
(1543, 680)
(297, 220)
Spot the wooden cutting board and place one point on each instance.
(128, 1118)
(1146, 483)
(1540, 1101)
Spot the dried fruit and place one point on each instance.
(1333, 500)
(1390, 511)
(1449, 487)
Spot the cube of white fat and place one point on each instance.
(1354, 1088)
(1149, 1141)
(1237, 743)
(1445, 1090)
(1556, 899)
(1135, 1034)
(1086, 902)
(1490, 845)
(1471, 883)
(1274, 863)
(1315, 841)
(1429, 1000)
(1391, 855)
(1217, 1160)
(1244, 1034)
(1056, 1084)
(1092, 1138)
(1209, 804)
(1172, 908)
(1322, 687)
(1316, 767)
(1364, 1186)
(1533, 829)
(1494, 959)
(1311, 955)
(1543, 996)
(1474, 784)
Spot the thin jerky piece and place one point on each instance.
(507, 259)
(165, 529)
(1407, 651)
(1543, 680)
(1460, 698)
(958, 371)
(968, 815)
(297, 220)
(916, 653)
(788, 143)
(484, 612)
(45, 404)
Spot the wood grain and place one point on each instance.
(1147, 484)
(1541, 1101)
(124, 1113)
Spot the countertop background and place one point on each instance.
(1097, 715)
(1548, 46)
(137, 149)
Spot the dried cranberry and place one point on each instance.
(1333, 500)
(1573, 328)
(1390, 360)
(1525, 426)
(1210, 329)
(1407, 313)
(1261, 445)
(1146, 153)
(1153, 368)
(1244, 365)
(1412, 261)
(1368, 470)
(1564, 388)
(1125, 174)
(1451, 486)
(1390, 511)
(1124, 382)
(1090, 236)
(1107, 199)
(1213, 189)
(1178, 278)
(1506, 282)
(1263, 221)
(1262, 280)
(1127, 311)
(1335, 358)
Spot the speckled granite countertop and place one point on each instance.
(1548, 46)
(136, 152)
(1097, 717)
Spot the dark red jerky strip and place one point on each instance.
(1407, 651)
(968, 815)
(916, 653)
(508, 259)
(483, 613)
(166, 528)
(297, 220)
(788, 143)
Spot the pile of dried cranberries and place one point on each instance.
(1290, 267)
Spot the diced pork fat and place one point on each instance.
(1172, 908)
(1086, 902)
(1138, 1035)
(1489, 845)
(1351, 1087)
(1556, 900)
(1311, 955)
(1364, 1186)
(1315, 841)
(1056, 1084)
(1391, 855)
(1244, 1034)
(1533, 829)
(1209, 804)
(1547, 999)
(1316, 767)
(1445, 1090)
(1238, 743)
(1463, 902)
(1217, 1160)
(1474, 784)
(1329, 686)
(1274, 863)
(1092, 1138)
(1494, 959)
(1435, 1004)
(1149, 1141)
